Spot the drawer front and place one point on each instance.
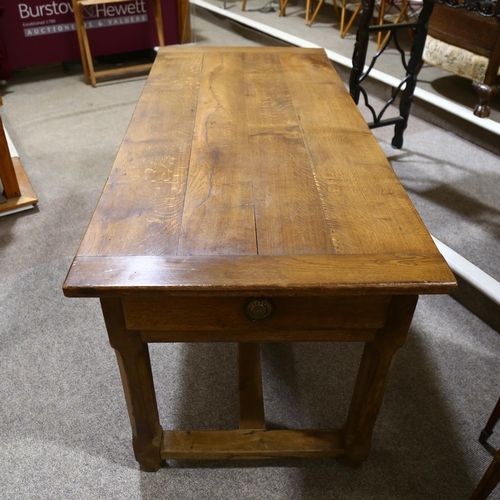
(255, 313)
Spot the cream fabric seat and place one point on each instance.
(456, 60)
(467, 44)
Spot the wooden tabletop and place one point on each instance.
(250, 168)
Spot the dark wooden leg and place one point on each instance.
(372, 380)
(490, 425)
(137, 379)
(489, 480)
(411, 73)
(486, 93)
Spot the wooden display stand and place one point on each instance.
(16, 185)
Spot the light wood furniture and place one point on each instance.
(341, 16)
(249, 202)
(344, 28)
(310, 15)
(17, 188)
(403, 9)
(184, 21)
(88, 65)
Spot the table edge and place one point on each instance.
(101, 276)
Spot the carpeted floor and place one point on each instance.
(64, 431)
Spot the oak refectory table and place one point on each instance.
(249, 202)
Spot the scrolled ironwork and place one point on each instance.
(488, 8)
(408, 83)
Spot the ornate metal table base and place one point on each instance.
(408, 84)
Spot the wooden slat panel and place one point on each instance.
(218, 213)
(226, 313)
(209, 445)
(140, 210)
(250, 386)
(367, 208)
(258, 336)
(283, 275)
(289, 215)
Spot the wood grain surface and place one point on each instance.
(210, 445)
(226, 313)
(277, 275)
(250, 167)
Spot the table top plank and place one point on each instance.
(140, 209)
(365, 205)
(289, 215)
(218, 214)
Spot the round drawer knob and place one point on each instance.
(258, 309)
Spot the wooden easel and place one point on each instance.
(16, 185)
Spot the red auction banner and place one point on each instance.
(43, 31)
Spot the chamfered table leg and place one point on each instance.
(372, 380)
(137, 379)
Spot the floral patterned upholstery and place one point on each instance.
(454, 59)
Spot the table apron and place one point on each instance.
(177, 319)
(264, 335)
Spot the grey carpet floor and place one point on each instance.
(64, 431)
